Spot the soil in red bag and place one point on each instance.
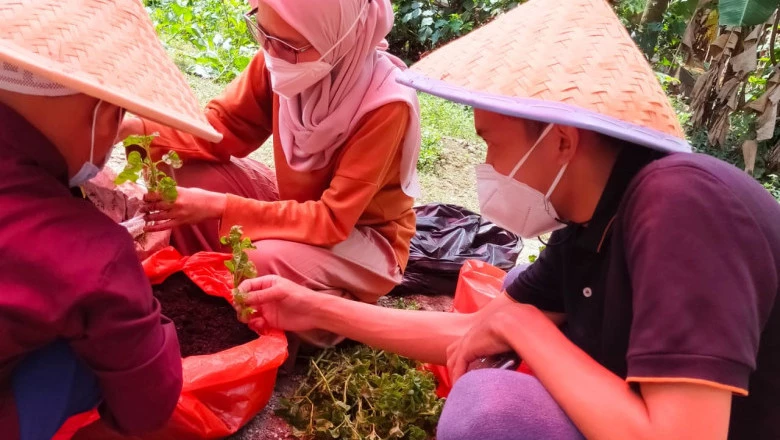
(205, 324)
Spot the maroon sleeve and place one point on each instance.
(700, 271)
(130, 346)
(539, 285)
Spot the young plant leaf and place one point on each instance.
(167, 189)
(240, 266)
(172, 159)
(132, 170)
(140, 140)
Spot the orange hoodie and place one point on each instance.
(360, 187)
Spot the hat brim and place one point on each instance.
(547, 111)
(50, 70)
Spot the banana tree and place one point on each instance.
(741, 76)
(746, 12)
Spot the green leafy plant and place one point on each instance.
(240, 266)
(746, 12)
(137, 165)
(533, 257)
(210, 35)
(361, 393)
(422, 25)
(772, 184)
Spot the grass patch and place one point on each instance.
(205, 89)
(441, 118)
(448, 118)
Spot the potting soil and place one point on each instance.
(205, 324)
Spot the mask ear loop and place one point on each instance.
(525, 157)
(346, 34)
(94, 122)
(552, 188)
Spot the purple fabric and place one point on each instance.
(548, 111)
(513, 274)
(492, 404)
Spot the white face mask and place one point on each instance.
(289, 80)
(89, 170)
(514, 205)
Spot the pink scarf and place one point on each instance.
(314, 125)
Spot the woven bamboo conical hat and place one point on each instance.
(569, 62)
(107, 49)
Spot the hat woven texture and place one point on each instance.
(107, 49)
(569, 62)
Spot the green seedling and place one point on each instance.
(156, 180)
(361, 393)
(240, 266)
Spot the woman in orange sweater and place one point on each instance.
(346, 138)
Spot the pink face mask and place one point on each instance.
(289, 80)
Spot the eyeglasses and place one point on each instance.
(280, 48)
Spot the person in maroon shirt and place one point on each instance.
(79, 326)
(653, 312)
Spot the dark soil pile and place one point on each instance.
(205, 324)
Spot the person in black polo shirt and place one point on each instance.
(652, 313)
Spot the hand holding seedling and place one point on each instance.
(192, 206)
(166, 205)
(241, 268)
(281, 303)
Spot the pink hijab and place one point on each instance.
(314, 125)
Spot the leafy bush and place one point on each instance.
(424, 25)
(772, 184)
(362, 393)
(215, 38)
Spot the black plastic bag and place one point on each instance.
(447, 236)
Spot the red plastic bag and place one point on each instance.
(478, 284)
(222, 391)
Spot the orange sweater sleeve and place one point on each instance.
(243, 114)
(364, 164)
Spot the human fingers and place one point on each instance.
(159, 216)
(259, 283)
(161, 226)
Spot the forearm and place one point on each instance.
(601, 404)
(416, 334)
(310, 222)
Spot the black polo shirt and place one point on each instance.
(675, 279)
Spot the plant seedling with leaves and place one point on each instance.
(240, 266)
(156, 180)
(361, 393)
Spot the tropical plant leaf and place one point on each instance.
(746, 12)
